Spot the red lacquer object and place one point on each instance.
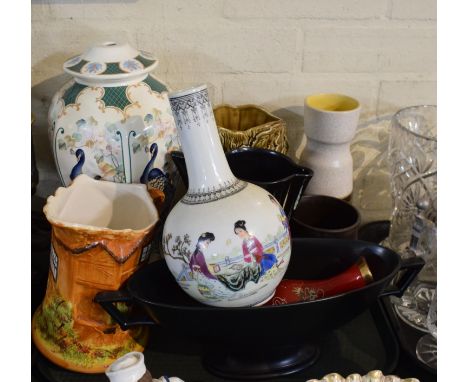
(291, 291)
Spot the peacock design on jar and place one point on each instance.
(113, 110)
(226, 241)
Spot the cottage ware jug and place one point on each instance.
(101, 233)
(330, 122)
(227, 242)
(113, 120)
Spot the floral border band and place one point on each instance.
(135, 64)
(200, 197)
(185, 109)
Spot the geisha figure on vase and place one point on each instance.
(253, 249)
(208, 284)
(197, 260)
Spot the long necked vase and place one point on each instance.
(226, 242)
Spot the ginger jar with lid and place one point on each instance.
(113, 121)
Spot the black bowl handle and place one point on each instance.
(107, 300)
(408, 271)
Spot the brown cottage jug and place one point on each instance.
(101, 233)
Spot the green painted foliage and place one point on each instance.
(55, 323)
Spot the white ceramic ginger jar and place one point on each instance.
(227, 242)
(112, 120)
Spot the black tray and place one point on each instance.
(364, 344)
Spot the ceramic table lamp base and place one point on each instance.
(101, 233)
(330, 122)
(113, 121)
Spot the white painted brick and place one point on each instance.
(314, 9)
(394, 95)
(284, 91)
(186, 80)
(70, 37)
(55, 42)
(414, 9)
(231, 49)
(386, 50)
(284, 96)
(112, 10)
(249, 51)
(108, 11)
(43, 9)
(192, 9)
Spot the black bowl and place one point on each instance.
(281, 334)
(323, 216)
(269, 169)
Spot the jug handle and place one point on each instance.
(298, 186)
(409, 270)
(107, 299)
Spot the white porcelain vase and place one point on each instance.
(112, 120)
(227, 242)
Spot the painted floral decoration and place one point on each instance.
(104, 141)
(131, 65)
(93, 68)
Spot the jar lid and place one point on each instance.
(110, 61)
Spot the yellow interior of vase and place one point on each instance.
(241, 118)
(332, 102)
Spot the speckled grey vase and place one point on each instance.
(330, 122)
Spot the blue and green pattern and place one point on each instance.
(155, 85)
(77, 67)
(116, 96)
(146, 62)
(112, 67)
(113, 96)
(69, 96)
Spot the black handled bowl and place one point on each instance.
(154, 289)
(269, 169)
(269, 341)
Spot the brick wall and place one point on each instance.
(269, 52)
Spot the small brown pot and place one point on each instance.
(322, 216)
(250, 125)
